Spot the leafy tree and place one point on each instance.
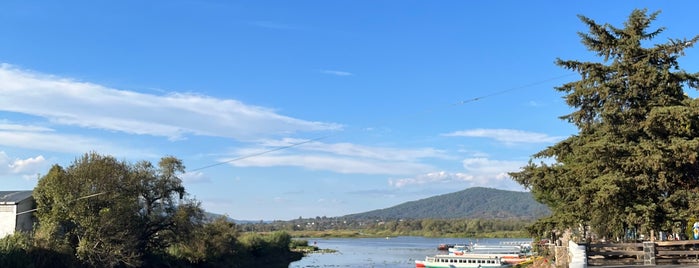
(110, 213)
(633, 162)
(164, 212)
(91, 205)
(215, 244)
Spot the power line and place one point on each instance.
(79, 198)
(684, 45)
(262, 152)
(324, 137)
(512, 89)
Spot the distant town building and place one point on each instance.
(16, 212)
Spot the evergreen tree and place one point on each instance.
(633, 162)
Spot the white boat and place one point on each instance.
(522, 248)
(509, 254)
(461, 261)
(459, 249)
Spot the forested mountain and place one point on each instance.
(472, 203)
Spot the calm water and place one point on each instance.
(380, 252)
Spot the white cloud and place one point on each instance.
(477, 172)
(27, 168)
(343, 158)
(354, 150)
(25, 165)
(65, 143)
(508, 136)
(335, 72)
(484, 168)
(337, 164)
(195, 177)
(432, 177)
(18, 127)
(67, 102)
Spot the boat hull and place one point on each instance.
(452, 261)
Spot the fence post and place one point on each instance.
(648, 253)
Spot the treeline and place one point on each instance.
(101, 212)
(474, 228)
(453, 228)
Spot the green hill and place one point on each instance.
(472, 203)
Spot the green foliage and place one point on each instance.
(101, 212)
(109, 213)
(14, 250)
(473, 228)
(296, 243)
(18, 250)
(215, 243)
(633, 163)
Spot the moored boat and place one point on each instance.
(509, 254)
(459, 249)
(445, 246)
(460, 261)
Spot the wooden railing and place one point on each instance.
(658, 252)
(614, 253)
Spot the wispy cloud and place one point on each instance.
(337, 73)
(5, 126)
(195, 177)
(28, 168)
(432, 177)
(477, 172)
(31, 137)
(345, 165)
(343, 158)
(67, 102)
(484, 168)
(355, 150)
(508, 136)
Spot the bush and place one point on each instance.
(295, 243)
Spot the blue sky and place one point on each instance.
(287, 109)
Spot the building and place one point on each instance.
(16, 209)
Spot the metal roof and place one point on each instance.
(14, 197)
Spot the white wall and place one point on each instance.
(578, 255)
(7, 219)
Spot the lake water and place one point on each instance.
(380, 252)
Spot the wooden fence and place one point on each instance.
(646, 253)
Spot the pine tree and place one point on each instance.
(634, 161)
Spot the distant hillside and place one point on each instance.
(472, 203)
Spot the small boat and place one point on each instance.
(459, 249)
(445, 246)
(461, 261)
